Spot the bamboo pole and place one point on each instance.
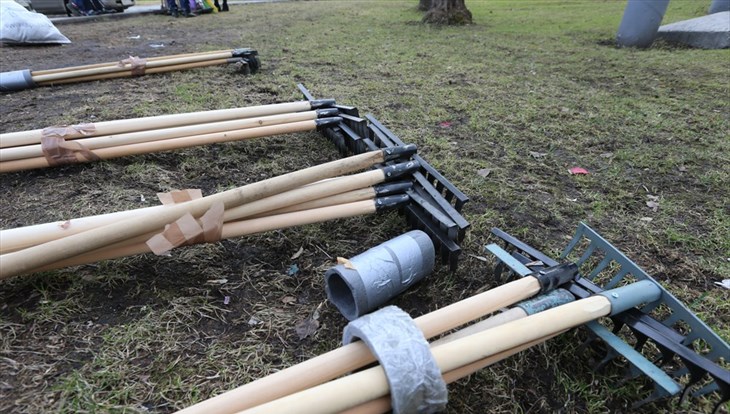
(355, 355)
(40, 79)
(100, 65)
(128, 72)
(169, 144)
(359, 388)
(14, 139)
(92, 143)
(15, 263)
(231, 230)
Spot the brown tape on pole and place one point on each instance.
(180, 196)
(57, 151)
(187, 230)
(176, 234)
(137, 64)
(64, 131)
(212, 223)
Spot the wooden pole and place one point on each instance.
(333, 200)
(92, 143)
(168, 144)
(230, 230)
(137, 245)
(359, 388)
(382, 404)
(14, 139)
(15, 263)
(128, 72)
(355, 355)
(40, 79)
(22, 237)
(100, 65)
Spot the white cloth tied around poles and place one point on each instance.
(414, 377)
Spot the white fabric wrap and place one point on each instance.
(414, 377)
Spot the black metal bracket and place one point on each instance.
(250, 57)
(436, 203)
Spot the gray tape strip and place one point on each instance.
(414, 377)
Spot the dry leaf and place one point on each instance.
(652, 197)
(653, 205)
(484, 172)
(345, 262)
(482, 258)
(298, 253)
(646, 219)
(253, 321)
(306, 327)
(606, 155)
(535, 154)
(217, 281)
(578, 170)
(289, 300)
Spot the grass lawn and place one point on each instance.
(532, 89)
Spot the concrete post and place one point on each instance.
(640, 22)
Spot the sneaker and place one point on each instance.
(74, 9)
(190, 14)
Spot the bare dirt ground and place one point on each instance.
(155, 334)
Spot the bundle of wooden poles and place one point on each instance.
(318, 385)
(63, 145)
(319, 193)
(246, 58)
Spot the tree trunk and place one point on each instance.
(448, 12)
(424, 5)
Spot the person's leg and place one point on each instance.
(225, 6)
(172, 8)
(185, 6)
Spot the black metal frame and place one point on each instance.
(436, 203)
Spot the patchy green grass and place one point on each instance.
(530, 90)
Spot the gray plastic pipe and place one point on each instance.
(641, 22)
(379, 274)
(16, 80)
(718, 6)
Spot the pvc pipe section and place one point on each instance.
(641, 22)
(376, 276)
(16, 80)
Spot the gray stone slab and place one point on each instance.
(707, 32)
